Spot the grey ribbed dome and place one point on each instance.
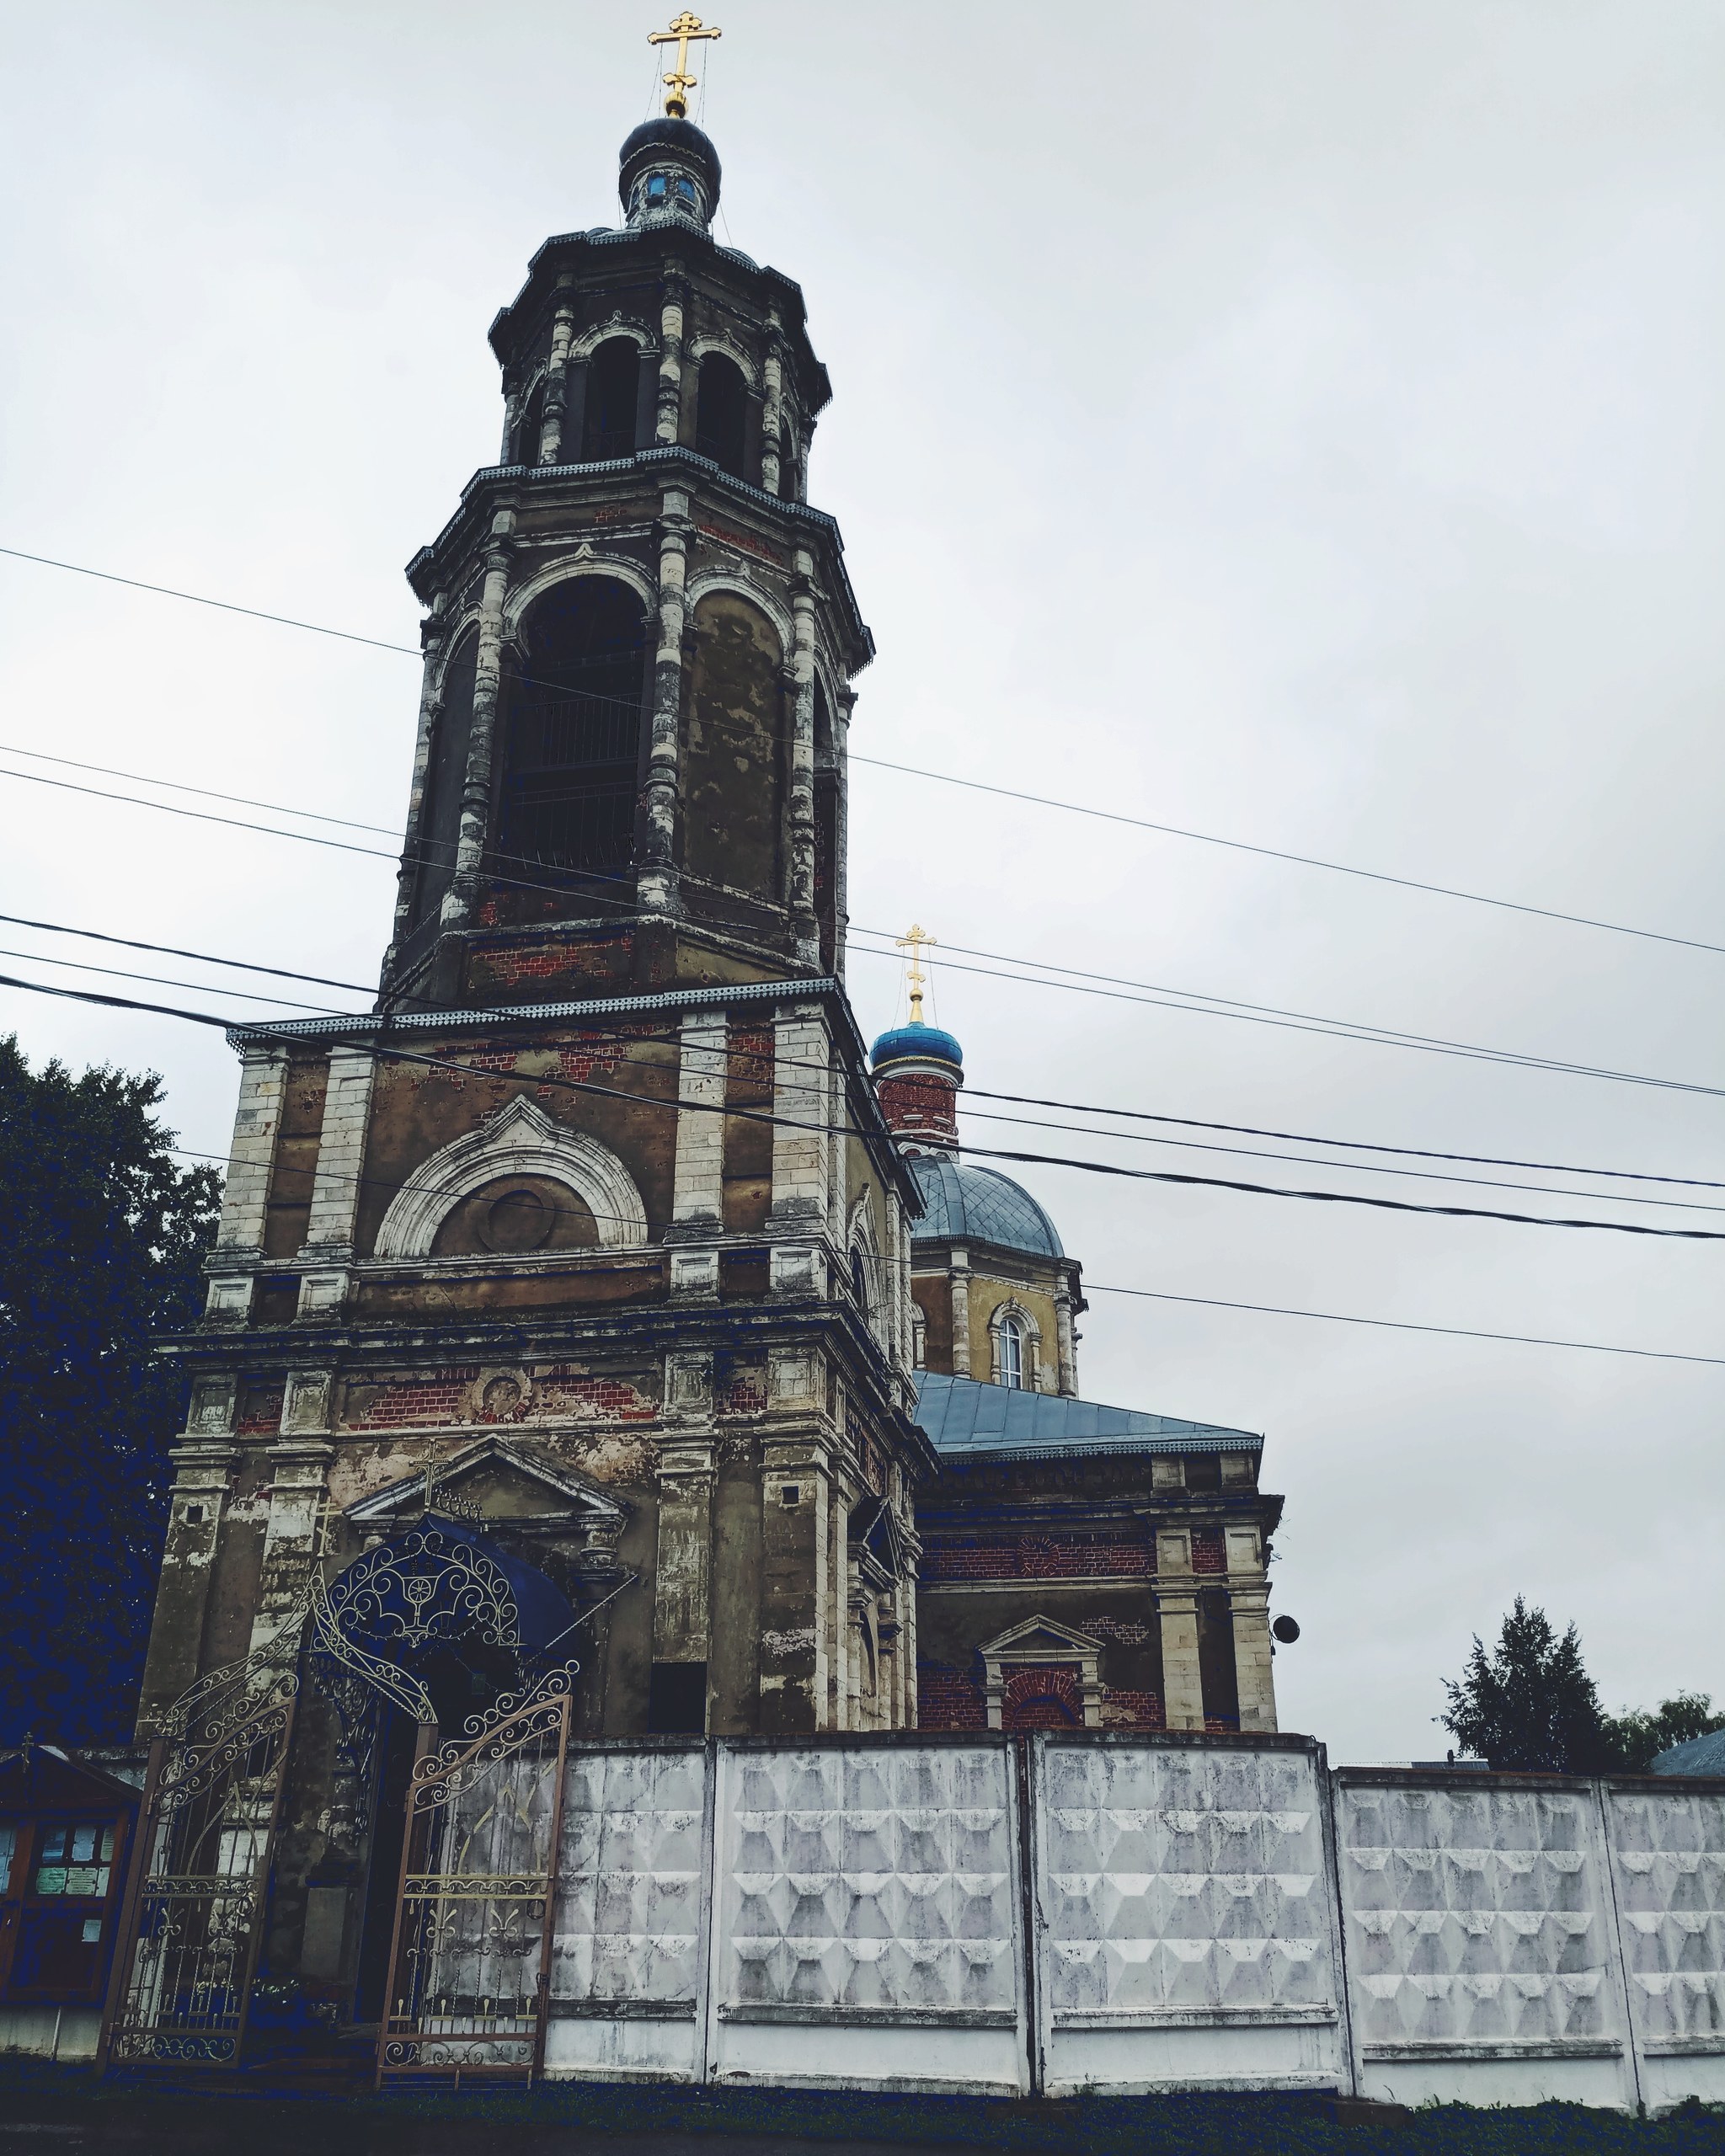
(962, 1204)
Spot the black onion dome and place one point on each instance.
(674, 141)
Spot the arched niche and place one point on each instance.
(722, 414)
(612, 400)
(734, 749)
(573, 741)
(520, 1148)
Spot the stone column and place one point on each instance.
(1248, 1598)
(488, 678)
(682, 1579)
(431, 633)
(961, 1314)
(796, 1576)
(697, 1185)
(656, 886)
(328, 1252)
(772, 376)
(802, 1153)
(1176, 1610)
(1065, 1347)
(842, 833)
(299, 1466)
(562, 331)
(245, 1195)
(800, 819)
(667, 425)
(203, 1460)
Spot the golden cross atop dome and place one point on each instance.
(915, 979)
(686, 29)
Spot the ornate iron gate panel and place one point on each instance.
(470, 1965)
(194, 1918)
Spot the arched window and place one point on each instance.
(530, 427)
(1012, 1356)
(721, 412)
(859, 1284)
(574, 731)
(613, 379)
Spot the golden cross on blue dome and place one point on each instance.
(915, 979)
(685, 30)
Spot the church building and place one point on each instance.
(599, 1320)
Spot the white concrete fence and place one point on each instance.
(1132, 1914)
(1055, 1913)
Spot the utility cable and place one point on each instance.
(1224, 1007)
(372, 1040)
(977, 786)
(1403, 1324)
(672, 1038)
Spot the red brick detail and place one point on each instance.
(752, 1057)
(1042, 1695)
(1208, 1554)
(1131, 1709)
(948, 1698)
(542, 959)
(1222, 1725)
(1037, 1557)
(924, 1104)
(578, 1058)
(597, 1399)
(437, 1398)
(1123, 1629)
(746, 1393)
(260, 1411)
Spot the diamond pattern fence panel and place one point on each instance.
(1667, 1862)
(867, 1915)
(1186, 1927)
(1481, 1940)
(629, 1944)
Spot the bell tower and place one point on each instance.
(640, 638)
(593, 1239)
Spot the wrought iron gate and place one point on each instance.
(470, 1963)
(194, 1914)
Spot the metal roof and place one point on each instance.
(1700, 1755)
(963, 1203)
(963, 1418)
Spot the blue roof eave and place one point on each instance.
(963, 1418)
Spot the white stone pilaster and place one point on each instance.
(328, 1252)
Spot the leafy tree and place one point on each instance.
(1636, 1736)
(101, 1233)
(1531, 1703)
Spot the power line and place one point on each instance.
(197, 599)
(1352, 1167)
(174, 951)
(975, 786)
(1361, 1144)
(1329, 1029)
(162, 981)
(1403, 1324)
(381, 1047)
(972, 1093)
(1076, 983)
(1303, 860)
(1151, 1295)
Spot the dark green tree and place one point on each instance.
(1637, 1738)
(1530, 1702)
(101, 1233)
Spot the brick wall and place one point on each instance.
(948, 1698)
(1208, 1552)
(1037, 1556)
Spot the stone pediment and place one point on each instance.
(506, 1482)
(1040, 1638)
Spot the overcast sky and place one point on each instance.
(1299, 423)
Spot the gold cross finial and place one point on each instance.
(915, 979)
(679, 81)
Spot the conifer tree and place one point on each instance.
(1531, 1703)
(101, 1233)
